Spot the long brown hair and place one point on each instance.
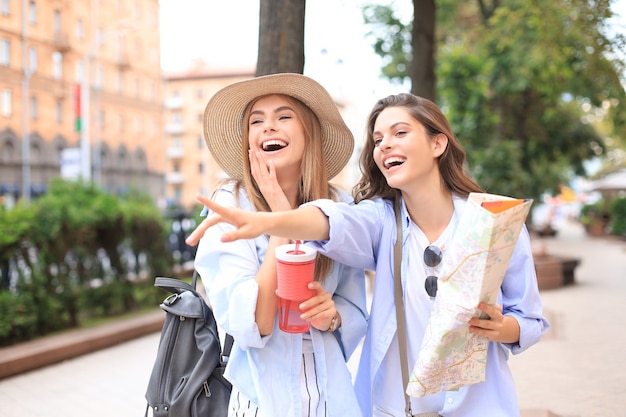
(313, 181)
(452, 165)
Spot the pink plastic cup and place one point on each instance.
(295, 269)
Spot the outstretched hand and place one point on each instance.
(248, 224)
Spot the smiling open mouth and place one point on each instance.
(273, 145)
(392, 162)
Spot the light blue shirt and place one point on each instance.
(363, 236)
(267, 368)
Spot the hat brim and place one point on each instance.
(223, 118)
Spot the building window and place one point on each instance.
(99, 77)
(5, 7)
(59, 108)
(80, 71)
(200, 93)
(102, 119)
(32, 12)
(7, 152)
(120, 123)
(34, 107)
(57, 65)
(137, 88)
(138, 125)
(32, 58)
(35, 153)
(6, 103)
(120, 82)
(5, 52)
(200, 141)
(56, 22)
(100, 36)
(80, 30)
(201, 168)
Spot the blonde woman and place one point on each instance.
(280, 139)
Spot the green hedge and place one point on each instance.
(75, 253)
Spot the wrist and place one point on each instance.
(335, 322)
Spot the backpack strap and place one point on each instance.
(228, 345)
(175, 286)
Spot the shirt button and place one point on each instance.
(450, 400)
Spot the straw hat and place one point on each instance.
(224, 113)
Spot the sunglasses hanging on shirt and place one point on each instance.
(432, 259)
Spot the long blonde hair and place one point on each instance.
(452, 165)
(313, 181)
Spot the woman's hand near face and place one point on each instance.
(264, 173)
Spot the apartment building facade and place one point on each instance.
(190, 169)
(80, 79)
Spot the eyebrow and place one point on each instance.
(376, 132)
(276, 110)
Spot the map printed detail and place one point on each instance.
(472, 272)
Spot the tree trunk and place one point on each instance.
(422, 68)
(281, 37)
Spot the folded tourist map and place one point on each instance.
(473, 268)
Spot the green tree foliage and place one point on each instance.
(524, 83)
(391, 39)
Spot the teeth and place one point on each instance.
(393, 161)
(274, 144)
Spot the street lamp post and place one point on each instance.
(25, 113)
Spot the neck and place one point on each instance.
(431, 210)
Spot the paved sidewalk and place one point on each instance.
(48, 350)
(578, 369)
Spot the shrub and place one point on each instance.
(76, 253)
(618, 217)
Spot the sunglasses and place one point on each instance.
(432, 258)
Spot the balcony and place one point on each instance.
(61, 42)
(172, 178)
(123, 61)
(174, 103)
(175, 128)
(175, 152)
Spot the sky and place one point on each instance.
(337, 53)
